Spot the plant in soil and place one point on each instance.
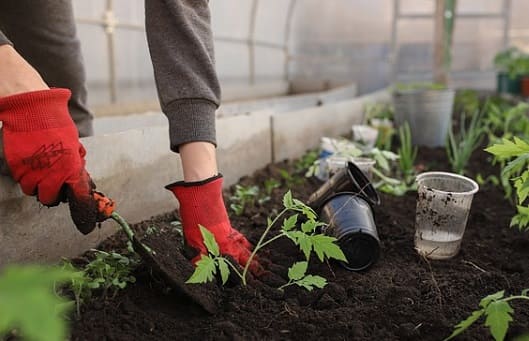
(304, 235)
(517, 171)
(497, 312)
(460, 147)
(110, 271)
(29, 306)
(244, 196)
(297, 275)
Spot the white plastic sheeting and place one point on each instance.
(312, 44)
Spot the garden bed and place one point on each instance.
(403, 296)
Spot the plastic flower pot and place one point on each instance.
(443, 205)
(507, 84)
(350, 221)
(365, 134)
(524, 86)
(427, 111)
(349, 179)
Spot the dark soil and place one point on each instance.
(402, 297)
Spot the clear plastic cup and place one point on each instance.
(443, 205)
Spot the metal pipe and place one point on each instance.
(251, 42)
(109, 26)
(286, 40)
(506, 22)
(393, 57)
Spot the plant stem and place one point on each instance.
(271, 240)
(285, 285)
(519, 297)
(126, 228)
(235, 269)
(258, 246)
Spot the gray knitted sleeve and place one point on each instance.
(181, 47)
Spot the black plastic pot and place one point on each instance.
(350, 179)
(350, 221)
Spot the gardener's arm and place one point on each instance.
(40, 143)
(181, 47)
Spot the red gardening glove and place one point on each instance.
(44, 155)
(202, 203)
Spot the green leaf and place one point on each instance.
(498, 318)
(224, 270)
(309, 226)
(485, 301)
(508, 149)
(463, 325)
(290, 222)
(287, 200)
(209, 241)
(297, 271)
(28, 302)
(310, 281)
(325, 246)
(204, 272)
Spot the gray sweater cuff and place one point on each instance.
(191, 120)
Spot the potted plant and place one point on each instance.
(511, 63)
(427, 107)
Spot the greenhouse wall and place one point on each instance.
(275, 47)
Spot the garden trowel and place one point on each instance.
(166, 259)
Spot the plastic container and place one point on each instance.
(349, 179)
(350, 221)
(365, 134)
(428, 112)
(443, 205)
(507, 85)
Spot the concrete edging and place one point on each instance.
(247, 142)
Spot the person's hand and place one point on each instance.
(201, 203)
(44, 155)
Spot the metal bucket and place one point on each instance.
(428, 112)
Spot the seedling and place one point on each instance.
(29, 304)
(517, 171)
(110, 271)
(291, 180)
(305, 237)
(407, 154)
(305, 161)
(461, 146)
(497, 311)
(270, 185)
(80, 285)
(243, 197)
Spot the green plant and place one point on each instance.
(244, 196)
(110, 271)
(506, 120)
(305, 237)
(297, 274)
(467, 101)
(460, 147)
(302, 164)
(270, 185)
(382, 111)
(291, 180)
(29, 304)
(517, 171)
(80, 285)
(512, 61)
(407, 153)
(497, 312)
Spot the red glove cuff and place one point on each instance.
(36, 110)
